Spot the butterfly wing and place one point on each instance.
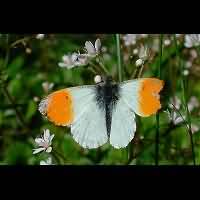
(76, 107)
(142, 95)
(123, 125)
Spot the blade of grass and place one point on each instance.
(119, 64)
(119, 57)
(189, 120)
(157, 115)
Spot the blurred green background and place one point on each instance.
(28, 65)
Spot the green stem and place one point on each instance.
(23, 40)
(189, 130)
(18, 114)
(103, 68)
(7, 52)
(189, 122)
(119, 57)
(60, 155)
(157, 138)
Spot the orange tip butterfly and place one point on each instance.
(103, 112)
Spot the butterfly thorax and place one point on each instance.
(107, 95)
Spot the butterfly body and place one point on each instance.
(107, 95)
(105, 111)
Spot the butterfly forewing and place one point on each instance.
(142, 95)
(77, 107)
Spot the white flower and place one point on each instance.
(73, 60)
(174, 117)
(194, 128)
(188, 64)
(135, 51)
(47, 86)
(97, 79)
(193, 103)
(176, 102)
(193, 54)
(44, 143)
(143, 56)
(192, 40)
(139, 62)
(40, 36)
(144, 35)
(178, 35)
(167, 42)
(144, 53)
(129, 39)
(36, 99)
(185, 72)
(28, 50)
(92, 50)
(46, 162)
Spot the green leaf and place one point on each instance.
(15, 66)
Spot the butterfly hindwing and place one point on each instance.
(123, 125)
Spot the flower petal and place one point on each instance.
(49, 161)
(42, 162)
(38, 150)
(98, 45)
(39, 141)
(49, 149)
(51, 138)
(90, 47)
(46, 135)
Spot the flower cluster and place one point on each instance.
(192, 40)
(44, 142)
(78, 59)
(176, 118)
(40, 36)
(131, 39)
(46, 162)
(143, 56)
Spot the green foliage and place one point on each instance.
(30, 63)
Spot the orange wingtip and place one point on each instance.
(149, 96)
(59, 108)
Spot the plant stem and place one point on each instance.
(7, 52)
(18, 114)
(189, 130)
(103, 68)
(119, 58)
(157, 115)
(189, 122)
(23, 40)
(60, 155)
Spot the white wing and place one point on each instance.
(89, 126)
(123, 125)
(142, 95)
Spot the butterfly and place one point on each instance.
(105, 111)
